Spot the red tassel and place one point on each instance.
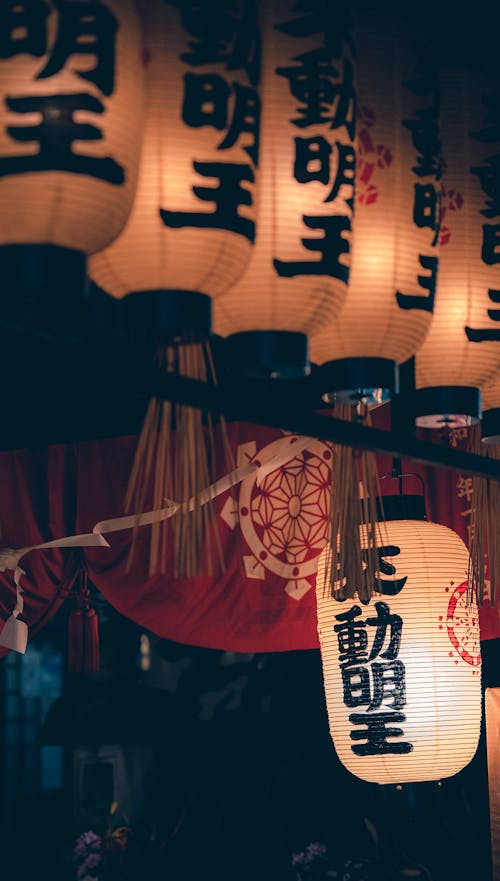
(83, 635)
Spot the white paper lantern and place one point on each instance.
(192, 226)
(71, 83)
(71, 95)
(462, 350)
(393, 260)
(402, 673)
(298, 273)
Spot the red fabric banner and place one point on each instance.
(37, 504)
(272, 536)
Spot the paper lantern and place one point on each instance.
(188, 238)
(71, 79)
(462, 349)
(393, 259)
(192, 227)
(490, 423)
(297, 276)
(402, 673)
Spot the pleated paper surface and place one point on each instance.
(192, 225)
(463, 344)
(393, 259)
(71, 97)
(297, 276)
(402, 673)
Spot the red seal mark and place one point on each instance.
(462, 626)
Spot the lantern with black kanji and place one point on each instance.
(192, 227)
(71, 82)
(394, 206)
(191, 230)
(402, 671)
(297, 276)
(462, 350)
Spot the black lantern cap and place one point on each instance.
(350, 380)
(267, 354)
(491, 426)
(402, 507)
(453, 405)
(168, 316)
(43, 290)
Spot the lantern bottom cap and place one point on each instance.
(267, 354)
(44, 290)
(491, 426)
(168, 316)
(370, 381)
(454, 406)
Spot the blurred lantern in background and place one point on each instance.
(189, 236)
(71, 83)
(297, 277)
(394, 208)
(462, 350)
(402, 672)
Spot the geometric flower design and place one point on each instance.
(461, 622)
(284, 521)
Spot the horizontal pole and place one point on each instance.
(278, 409)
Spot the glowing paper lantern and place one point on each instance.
(394, 210)
(298, 273)
(70, 126)
(402, 673)
(192, 226)
(188, 238)
(462, 350)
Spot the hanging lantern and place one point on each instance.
(191, 230)
(70, 122)
(394, 209)
(393, 261)
(462, 349)
(402, 672)
(297, 276)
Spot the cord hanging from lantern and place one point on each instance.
(175, 456)
(355, 515)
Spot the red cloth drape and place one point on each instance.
(271, 537)
(37, 504)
